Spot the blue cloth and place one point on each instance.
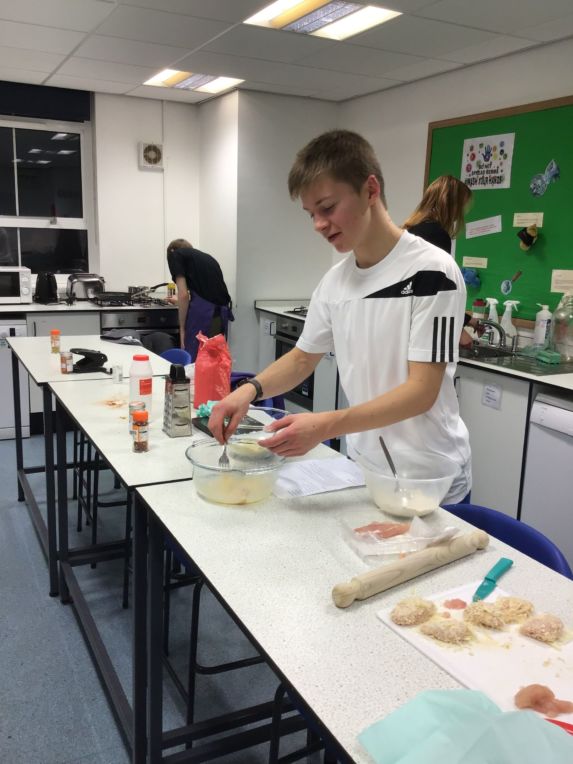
(464, 727)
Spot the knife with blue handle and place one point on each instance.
(491, 578)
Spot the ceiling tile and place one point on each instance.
(33, 37)
(129, 51)
(485, 51)
(498, 16)
(552, 30)
(169, 94)
(161, 28)
(82, 15)
(32, 60)
(87, 83)
(104, 70)
(221, 10)
(421, 37)
(9, 74)
(269, 44)
(425, 67)
(298, 90)
(357, 59)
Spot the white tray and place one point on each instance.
(498, 663)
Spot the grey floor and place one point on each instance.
(52, 706)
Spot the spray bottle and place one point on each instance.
(542, 326)
(510, 330)
(492, 315)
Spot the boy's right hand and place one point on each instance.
(232, 408)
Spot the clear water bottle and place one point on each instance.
(141, 381)
(562, 328)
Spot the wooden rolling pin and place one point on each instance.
(378, 580)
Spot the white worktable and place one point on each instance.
(44, 366)
(100, 407)
(274, 564)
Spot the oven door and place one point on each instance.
(303, 393)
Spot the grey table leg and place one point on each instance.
(155, 643)
(50, 492)
(139, 564)
(62, 507)
(17, 423)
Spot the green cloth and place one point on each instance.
(205, 409)
(464, 727)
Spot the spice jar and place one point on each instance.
(55, 341)
(133, 407)
(66, 362)
(140, 431)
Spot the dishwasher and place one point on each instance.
(12, 328)
(547, 499)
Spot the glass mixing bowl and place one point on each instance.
(251, 474)
(424, 479)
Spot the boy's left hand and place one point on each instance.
(296, 434)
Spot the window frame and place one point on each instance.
(87, 222)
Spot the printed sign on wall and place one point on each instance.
(486, 162)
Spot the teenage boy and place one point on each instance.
(392, 311)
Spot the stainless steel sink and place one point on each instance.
(504, 358)
(480, 352)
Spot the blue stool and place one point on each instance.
(176, 355)
(519, 535)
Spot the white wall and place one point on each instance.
(139, 211)
(396, 121)
(218, 140)
(278, 253)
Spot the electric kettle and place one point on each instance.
(46, 288)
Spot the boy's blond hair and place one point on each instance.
(343, 155)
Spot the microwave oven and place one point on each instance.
(15, 285)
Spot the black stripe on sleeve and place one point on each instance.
(435, 340)
(443, 340)
(451, 340)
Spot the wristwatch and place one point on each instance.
(255, 383)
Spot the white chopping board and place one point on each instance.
(498, 663)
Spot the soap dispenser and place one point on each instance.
(506, 322)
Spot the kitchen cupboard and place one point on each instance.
(72, 325)
(267, 330)
(494, 408)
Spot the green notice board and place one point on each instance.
(543, 132)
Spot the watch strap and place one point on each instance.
(255, 383)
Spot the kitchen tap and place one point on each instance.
(488, 332)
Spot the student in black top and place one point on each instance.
(439, 218)
(202, 296)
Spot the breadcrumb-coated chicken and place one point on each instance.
(513, 609)
(483, 614)
(412, 612)
(544, 627)
(447, 630)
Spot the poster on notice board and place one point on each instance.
(486, 161)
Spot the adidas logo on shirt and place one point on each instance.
(407, 289)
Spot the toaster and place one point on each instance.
(84, 286)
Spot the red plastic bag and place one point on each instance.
(212, 369)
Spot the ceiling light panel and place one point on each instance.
(319, 18)
(219, 84)
(364, 19)
(335, 20)
(195, 81)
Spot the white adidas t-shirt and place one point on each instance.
(408, 307)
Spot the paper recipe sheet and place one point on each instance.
(310, 476)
